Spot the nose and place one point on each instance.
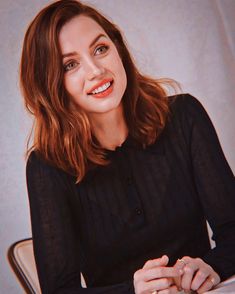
(93, 69)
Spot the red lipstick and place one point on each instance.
(99, 85)
(103, 93)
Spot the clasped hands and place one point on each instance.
(187, 274)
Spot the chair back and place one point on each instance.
(21, 258)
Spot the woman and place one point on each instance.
(121, 178)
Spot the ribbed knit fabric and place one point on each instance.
(146, 203)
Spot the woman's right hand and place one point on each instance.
(156, 277)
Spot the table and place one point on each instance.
(227, 286)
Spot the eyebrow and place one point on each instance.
(92, 43)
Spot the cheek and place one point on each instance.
(122, 75)
(68, 84)
(73, 84)
(119, 69)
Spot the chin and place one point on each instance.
(109, 107)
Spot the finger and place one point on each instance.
(171, 290)
(158, 284)
(177, 282)
(160, 272)
(210, 283)
(156, 262)
(200, 277)
(189, 271)
(180, 263)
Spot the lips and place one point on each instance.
(100, 84)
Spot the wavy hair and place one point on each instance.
(62, 131)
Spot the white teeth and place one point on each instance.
(101, 89)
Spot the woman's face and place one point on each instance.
(93, 71)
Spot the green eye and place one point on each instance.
(101, 49)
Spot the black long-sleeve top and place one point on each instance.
(146, 203)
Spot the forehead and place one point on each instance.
(79, 32)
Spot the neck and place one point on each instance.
(109, 128)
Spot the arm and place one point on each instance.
(215, 184)
(56, 243)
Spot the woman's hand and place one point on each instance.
(198, 275)
(156, 277)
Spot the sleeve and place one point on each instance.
(215, 184)
(56, 246)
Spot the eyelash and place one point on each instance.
(102, 46)
(67, 65)
(72, 62)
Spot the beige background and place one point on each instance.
(192, 41)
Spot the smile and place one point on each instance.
(102, 88)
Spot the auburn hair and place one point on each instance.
(62, 133)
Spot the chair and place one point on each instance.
(21, 258)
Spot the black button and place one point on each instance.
(138, 211)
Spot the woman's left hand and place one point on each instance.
(198, 275)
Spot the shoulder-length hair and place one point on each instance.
(62, 131)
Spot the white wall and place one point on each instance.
(192, 41)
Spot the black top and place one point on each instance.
(146, 203)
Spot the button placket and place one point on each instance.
(134, 202)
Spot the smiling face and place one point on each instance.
(93, 71)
